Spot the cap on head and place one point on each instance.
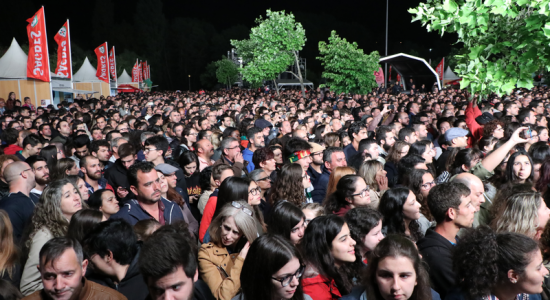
(454, 133)
(166, 168)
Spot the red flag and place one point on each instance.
(63, 52)
(389, 75)
(398, 79)
(135, 72)
(148, 71)
(140, 70)
(379, 75)
(112, 63)
(38, 62)
(144, 70)
(439, 70)
(102, 62)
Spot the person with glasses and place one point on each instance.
(420, 182)
(288, 221)
(401, 212)
(263, 180)
(351, 191)
(231, 155)
(372, 171)
(277, 278)
(221, 260)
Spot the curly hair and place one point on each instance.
(519, 214)
(490, 127)
(262, 155)
(483, 259)
(48, 212)
(394, 155)
(289, 185)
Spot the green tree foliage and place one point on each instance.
(226, 72)
(505, 41)
(347, 68)
(272, 47)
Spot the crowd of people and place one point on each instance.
(246, 194)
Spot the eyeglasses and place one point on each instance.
(255, 191)
(237, 205)
(233, 148)
(149, 150)
(362, 193)
(428, 185)
(194, 133)
(265, 178)
(287, 279)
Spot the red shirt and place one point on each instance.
(321, 288)
(12, 149)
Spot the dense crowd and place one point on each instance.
(246, 194)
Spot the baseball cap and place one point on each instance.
(316, 148)
(166, 168)
(454, 133)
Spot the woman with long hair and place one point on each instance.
(396, 271)
(263, 180)
(365, 226)
(50, 154)
(105, 202)
(421, 182)
(10, 267)
(351, 192)
(397, 151)
(169, 193)
(464, 160)
(290, 185)
(328, 251)
(332, 139)
(288, 221)
(275, 278)
(82, 222)
(335, 176)
(372, 171)
(524, 213)
(63, 168)
(544, 178)
(58, 203)
(189, 163)
(189, 136)
(401, 212)
(425, 149)
(539, 151)
(81, 186)
(492, 266)
(231, 231)
(278, 155)
(519, 168)
(10, 103)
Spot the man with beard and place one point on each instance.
(385, 138)
(90, 167)
(255, 141)
(82, 146)
(45, 131)
(169, 267)
(100, 149)
(31, 146)
(205, 151)
(41, 175)
(116, 175)
(145, 184)
(62, 268)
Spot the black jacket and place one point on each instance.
(132, 285)
(117, 176)
(20, 208)
(437, 252)
(392, 173)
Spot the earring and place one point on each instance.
(513, 280)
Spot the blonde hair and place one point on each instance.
(335, 176)
(317, 209)
(245, 222)
(519, 214)
(8, 251)
(368, 171)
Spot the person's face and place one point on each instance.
(346, 141)
(498, 132)
(533, 138)
(128, 161)
(178, 130)
(543, 135)
(361, 195)
(280, 292)
(81, 152)
(338, 160)
(41, 172)
(304, 162)
(317, 158)
(192, 137)
(62, 277)
(422, 132)
(373, 151)
(227, 122)
(163, 183)
(151, 153)
(230, 233)
(390, 139)
(476, 193)
(411, 208)
(522, 167)
(396, 277)
(64, 128)
(175, 117)
(97, 135)
(264, 182)
(258, 140)
(148, 187)
(233, 150)
(205, 125)
(101, 123)
(533, 276)
(343, 247)
(306, 182)
(464, 216)
(103, 153)
(374, 237)
(175, 286)
(27, 123)
(301, 134)
(71, 202)
(190, 168)
(34, 150)
(427, 184)
(543, 122)
(92, 169)
(278, 154)
(404, 151)
(444, 127)
(109, 204)
(461, 141)
(429, 154)
(543, 214)
(336, 125)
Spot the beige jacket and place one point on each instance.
(30, 280)
(215, 261)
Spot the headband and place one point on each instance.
(299, 155)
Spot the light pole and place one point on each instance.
(189, 82)
(386, 64)
(430, 56)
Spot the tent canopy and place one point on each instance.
(409, 66)
(124, 78)
(450, 75)
(86, 73)
(293, 82)
(126, 88)
(13, 64)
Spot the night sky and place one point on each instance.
(361, 22)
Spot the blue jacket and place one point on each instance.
(319, 182)
(132, 212)
(247, 155)
(349, 151)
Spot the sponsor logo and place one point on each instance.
(34, 21)
(102, 49)
(63, 31)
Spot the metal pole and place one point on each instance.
(386, 64)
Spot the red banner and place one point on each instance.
(398, 79)
(102, 62)
(140, 72)
(63, 68)
(379, 75)
(389, 75)
(135, 72)
(112, 63)
(38, 62)
(440, 69)
(144, 70)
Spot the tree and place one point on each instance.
(347, 68)
(505, 41)
(226, 72)
(273, 46)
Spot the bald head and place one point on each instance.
(20, 177)
(475, 185)
(301, 134)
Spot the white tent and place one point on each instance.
(14, 63)
(86, 79)
(86, 73)
(124, 78)
(449, 75)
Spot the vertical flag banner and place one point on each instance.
(144, 69)
(135, 72)
(440, 70)
(148, 71)
(379, 76)
(38, 62)
(102, 62)
(112, 63)
(140, 70)
(63, 68)
(389, 75)
(398, 79)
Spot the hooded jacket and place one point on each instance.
(116, 176)
(319, 182)
(132, 212)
